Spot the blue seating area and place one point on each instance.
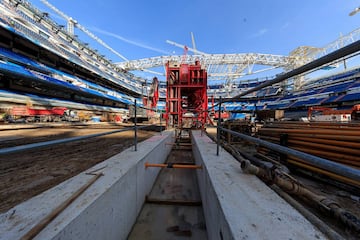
(351, 97)
(12, 68)
(24, 97)
(21, 59)
(308, 102)
(28, 62)
(331, 99)
(278, 106)
(337, 87)
(269, 91)
(41, 37)
(339, 76)
(336, 90)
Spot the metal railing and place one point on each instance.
(32, 146)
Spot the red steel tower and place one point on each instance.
(186, 96)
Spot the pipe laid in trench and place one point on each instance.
(333, 235)
(293, 187)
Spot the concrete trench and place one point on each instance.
(173, 209)
(132, 201)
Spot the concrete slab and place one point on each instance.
(106, 210)
(240, 206)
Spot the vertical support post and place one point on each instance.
(202, 129)
(218, 129)
(204, 122)
(228, 126)
(160, 122)
(135, 127)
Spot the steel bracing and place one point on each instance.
(229, 67)
(219, 66)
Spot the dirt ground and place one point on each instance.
(26, 174)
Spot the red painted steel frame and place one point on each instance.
(186, 96)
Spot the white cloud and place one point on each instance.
(260, 33)
(129, 41)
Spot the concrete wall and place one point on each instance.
(106, 210)
(240, 206)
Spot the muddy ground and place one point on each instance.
(26, 174)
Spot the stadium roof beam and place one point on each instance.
(225, 66)
(329, 58)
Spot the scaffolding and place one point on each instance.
(186, 97)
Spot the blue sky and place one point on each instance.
(140, 28)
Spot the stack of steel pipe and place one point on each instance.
(338, 142)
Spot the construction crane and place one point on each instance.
(193, 40)
(71, 23)
(182, 46)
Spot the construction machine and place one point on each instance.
(149, 102)
(318, 113)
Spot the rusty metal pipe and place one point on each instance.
(302, 125)
(348, 151)
(327, 141)
(329, 153)
(300, 163)
(317, 136)
(293, 187)
(345, 145)
(323, 227)
(274, 139)
(312, 131)
(314, 160)
(247, 167)
(172, 165)
(180, 202)
(338, 157)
